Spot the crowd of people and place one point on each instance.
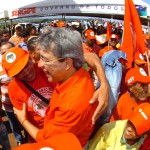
(68, 87)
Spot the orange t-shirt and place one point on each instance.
(69, 110)
(124, 107)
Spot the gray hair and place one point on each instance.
(63, 43)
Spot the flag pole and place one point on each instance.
(148, 63)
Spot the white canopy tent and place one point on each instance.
(26, 8)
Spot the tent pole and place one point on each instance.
(11, 27)
(148, 24)
(112, 18)
(5, 24)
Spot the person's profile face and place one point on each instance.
(130, 132)
(28, 73)
(18, 31)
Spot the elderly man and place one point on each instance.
(69, 105)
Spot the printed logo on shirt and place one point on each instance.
(37, 104)
(10, 57)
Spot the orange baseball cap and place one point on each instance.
(64, 141)
(14, 60)
(136, 75)
(61, 24)
(89, 34)
(140, 118)
(114, 36)
(139, 58)
(147, 36)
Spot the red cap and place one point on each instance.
(114, 36)
(139, 58)
(61, 24)
(64, 141)
(14, 60)
(89, 34)
(147, 36)
(136, 75)
(140, 118)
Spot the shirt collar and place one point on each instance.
(71, 81)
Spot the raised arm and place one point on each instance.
(102, 93)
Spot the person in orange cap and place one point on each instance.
(124, 134)
(6, 102)
(113, 44)
(137, 84)
(90, 42)
(64, 141)
(18, 65)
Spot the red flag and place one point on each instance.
(109, 30)
(133, 39)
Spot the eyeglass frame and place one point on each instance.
(48, 61)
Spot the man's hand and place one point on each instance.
(101, 95)
(21, 114)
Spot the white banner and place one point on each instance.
(3, 14)
(67, 9)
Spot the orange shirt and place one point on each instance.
(124, 107)
(69, 109)
(105, 50)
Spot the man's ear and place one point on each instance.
(69, 63)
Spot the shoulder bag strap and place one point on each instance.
(36, 93)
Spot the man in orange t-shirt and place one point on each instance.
(69, 109)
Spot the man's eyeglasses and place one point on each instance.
(49, 61)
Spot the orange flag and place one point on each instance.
(133, 39)
(109, 30)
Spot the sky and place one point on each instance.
(147, 1)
